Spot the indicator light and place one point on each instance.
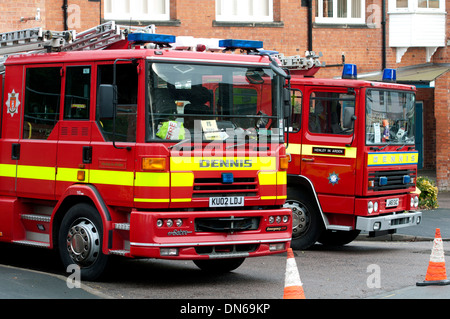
(153, 164)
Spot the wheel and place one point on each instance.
(80, 241)
(307, 225)
(219, 265)
(338, 237)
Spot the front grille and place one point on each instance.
(394, 179)
(226, 250)
(226, 224)
(213, 187)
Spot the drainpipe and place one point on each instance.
(310, 36)
(383, 34)
(64, 7)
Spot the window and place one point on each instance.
(331, 113)
(340, 11)
(409, 5)
(77, 94)
(127, 10)
(244, 10)
(127, 93)
(42, 102)
(434, 4)
(296, 102)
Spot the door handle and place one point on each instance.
(15, 151)
(87, 154)
(308, 159)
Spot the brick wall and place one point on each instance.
(13, 11)
(441, 98)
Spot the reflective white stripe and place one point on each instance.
(212, 243)
(292, 276)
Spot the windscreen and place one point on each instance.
(212, 103)
(390, 117)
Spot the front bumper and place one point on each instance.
(188, 242)
(388, 222)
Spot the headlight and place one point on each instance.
(179, 222)
(416, 201)
(271, 219)
(169, 223)
(159, 223)
(278, 219)
(285, 219)
(375, 207)
(370, 207)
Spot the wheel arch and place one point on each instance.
(76, 194)
(304, 186)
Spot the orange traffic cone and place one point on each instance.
(436, 273)
(293, 287)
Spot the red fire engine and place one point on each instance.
(145, 152)
(353, 163)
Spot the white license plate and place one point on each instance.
(392, 202)
(232, 201)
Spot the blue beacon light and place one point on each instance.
(389, 75)
(241, 44)
(151, 38)
(350, 71)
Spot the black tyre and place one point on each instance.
(80, 241)
(307, 224)
(338, 237)
(219, 265)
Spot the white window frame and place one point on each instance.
(413, 7)
(243, 11)
(335, 20)
(126, 10)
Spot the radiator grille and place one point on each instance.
(395, 179)
(213, 187)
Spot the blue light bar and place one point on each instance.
(241, 44)
(350, 71)
(151, 38)
(389, 75)
(382, 181)
(227, 178)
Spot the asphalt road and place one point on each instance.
(256, 278)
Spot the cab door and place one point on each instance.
(35, 151)
(113, 143)
(73, 160)
(328, 154)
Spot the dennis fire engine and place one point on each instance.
(353, 163)
(119, 144)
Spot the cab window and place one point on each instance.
(42, 102)
(330, 113)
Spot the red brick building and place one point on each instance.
(409, 35)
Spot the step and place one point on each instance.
(37, 218)
(119, 252)
(32, 243)
(122, 226)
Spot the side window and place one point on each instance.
(42, 102)
(127, 91)
(330, 113)
(77, 95)
(296, 102)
